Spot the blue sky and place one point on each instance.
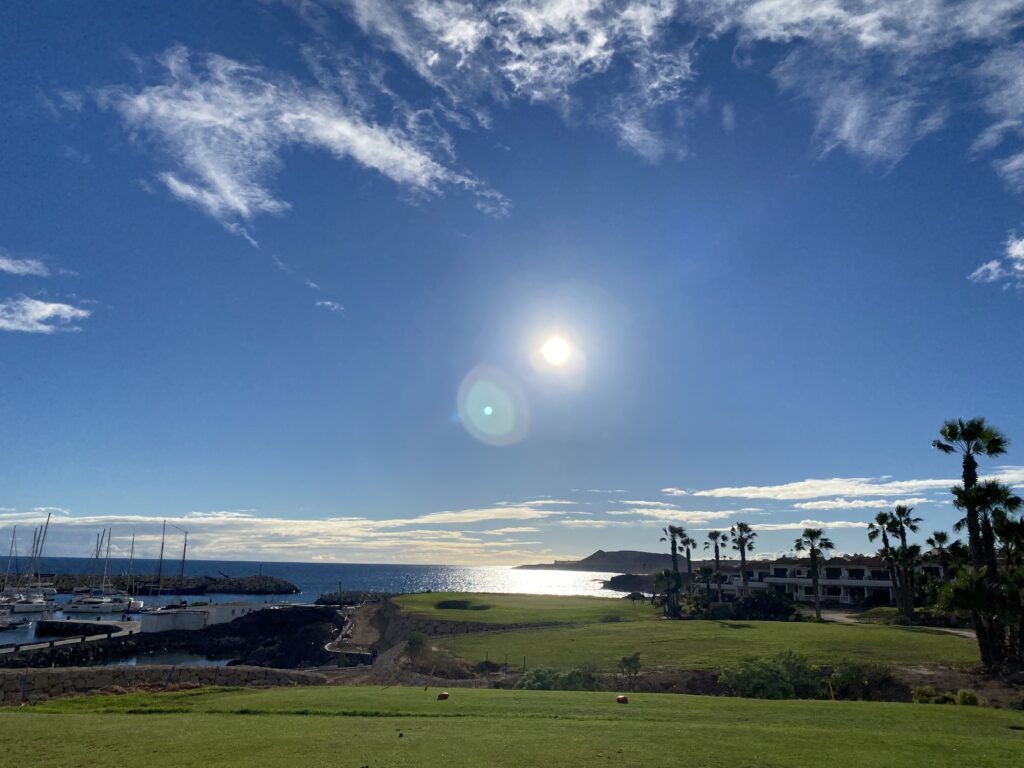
(250, 254)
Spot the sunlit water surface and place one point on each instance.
(315, 579)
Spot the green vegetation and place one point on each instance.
(787, 675)
(882, 614)
(402, 727)
(712, 644)
(524, 609)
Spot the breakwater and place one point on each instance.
(29, 685)
(194, 585)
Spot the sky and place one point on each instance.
(287, 274)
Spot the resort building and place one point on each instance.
(848, 580)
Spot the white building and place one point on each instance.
(192, 617)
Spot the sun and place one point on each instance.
(556, 351)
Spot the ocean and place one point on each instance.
(315, 579)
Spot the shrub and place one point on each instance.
(924, 694)
(538, 679)
(415, 644)
(787, 675)
(630, 667)
(863, 681)
(583, 678)
(764, 606)
(967, 698)
(543, 679)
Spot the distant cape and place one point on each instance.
(620, 561)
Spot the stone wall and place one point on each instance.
(21, 685)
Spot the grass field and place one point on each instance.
(526, 609)
(396, 727)
(709, 644)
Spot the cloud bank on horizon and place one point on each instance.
(494, 535)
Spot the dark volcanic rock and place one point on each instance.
(192, 585)
(621, 561)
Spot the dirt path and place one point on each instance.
(842, 617)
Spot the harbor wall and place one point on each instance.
(28, 685)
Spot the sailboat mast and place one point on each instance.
(181, 576)
(160, 567)
(10, 555)
(106, 562)
(131, 565)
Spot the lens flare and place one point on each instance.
(492, 406)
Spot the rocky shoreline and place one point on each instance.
(65, 583)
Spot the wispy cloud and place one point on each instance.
(331, 306)
(675, 492)
(801, 524)
(675, 515)
(1009, 269)
(22, 267)
(546, 53)
(657, 504)
(843, 487)
(34, 316)
(842, 503)
(225, 125)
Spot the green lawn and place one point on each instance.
(710, 644)
(398, 727)
(526, 609)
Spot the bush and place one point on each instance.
(539, 679)
(415, 644)
(583, 678)
(787, 675)
(543, 679)
(967, 698)
(764, 606)
(924, 694)
(863, 681)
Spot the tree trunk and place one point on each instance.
(814, 582)
(718, 575)
(743, 569)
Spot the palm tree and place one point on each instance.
(688, 543)
(938, 541)
(743, 541)
(705, 576)
(971, 438)
(879, 528)
(902, 558)
(667, 583)
(672, 534)
(716, 539)
(814, 543)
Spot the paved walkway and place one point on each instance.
(123, 629)
(842, 617)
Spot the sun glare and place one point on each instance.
(556, 351)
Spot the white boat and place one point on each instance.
(101, 602)
(32, 604)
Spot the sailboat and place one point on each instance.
(29, 598)
(102, 600)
